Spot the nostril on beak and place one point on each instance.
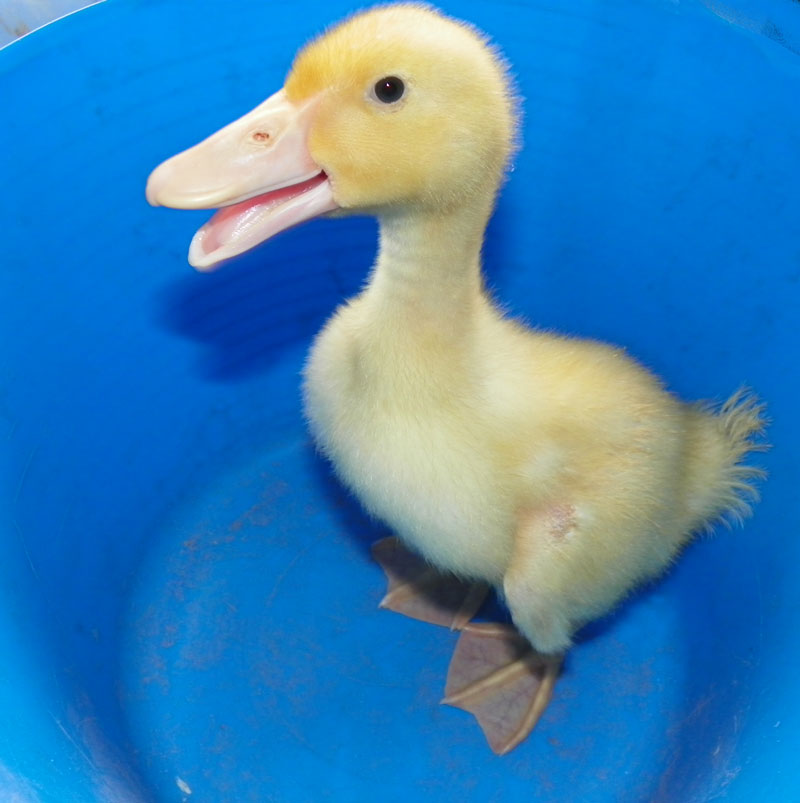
(261, 136)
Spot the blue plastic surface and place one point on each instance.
(187, 603)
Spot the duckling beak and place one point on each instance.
(258, 168)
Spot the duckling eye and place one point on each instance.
(389, 89)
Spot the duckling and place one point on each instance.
(558, 471)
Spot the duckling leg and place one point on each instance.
(495, 673)
(543, 579)
(496, 676)
(418, 590)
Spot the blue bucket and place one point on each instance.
(188, 609)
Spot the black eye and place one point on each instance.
(389, 89)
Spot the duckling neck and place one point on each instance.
(429, 266)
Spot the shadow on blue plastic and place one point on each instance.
(243, 316)
(187, 603)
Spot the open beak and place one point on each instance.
(258, 168)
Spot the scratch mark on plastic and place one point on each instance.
(79, 747)
(289, 566)
(24, 474)
(24, 545)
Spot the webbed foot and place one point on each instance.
(418, 590)
(498, 677)
(494, 673)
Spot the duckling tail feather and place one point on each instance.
(720, 485)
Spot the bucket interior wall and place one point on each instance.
(188, 607)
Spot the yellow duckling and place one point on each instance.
(558, 471)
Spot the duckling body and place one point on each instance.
(557, 470)
(489, 447)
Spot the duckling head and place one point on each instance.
(397, 110)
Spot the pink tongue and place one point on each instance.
(230, 220)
